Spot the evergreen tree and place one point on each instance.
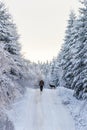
(80, 61)
(13, 70)
(54, 72)
(10, 37)
(67, 53)
(8, 33)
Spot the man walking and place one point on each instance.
(41, 84)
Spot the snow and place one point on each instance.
(40, 111)
(5, 123)
(77, 108)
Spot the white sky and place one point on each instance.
(41, 24)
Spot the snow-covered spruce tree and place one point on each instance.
(67, 54)
(10, 38)
(80, 56)
(55, 75)
(54, 72)
(59, 71)
(12, 65)
(8, 33)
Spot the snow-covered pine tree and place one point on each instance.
(8, 32)
(54, 72)
(12, 66)
(80, 56)
(10, 37)
(67, 54)
(58, 70)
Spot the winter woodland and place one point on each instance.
(67, 71)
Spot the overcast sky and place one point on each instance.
(41, 24)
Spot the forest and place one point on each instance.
(68, 70)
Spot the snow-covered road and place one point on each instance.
(41, 111)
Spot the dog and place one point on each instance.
(52, 86)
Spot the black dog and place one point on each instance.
(52, 86)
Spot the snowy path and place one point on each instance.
(41, 111)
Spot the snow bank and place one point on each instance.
(77, 108)
(5, 123)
